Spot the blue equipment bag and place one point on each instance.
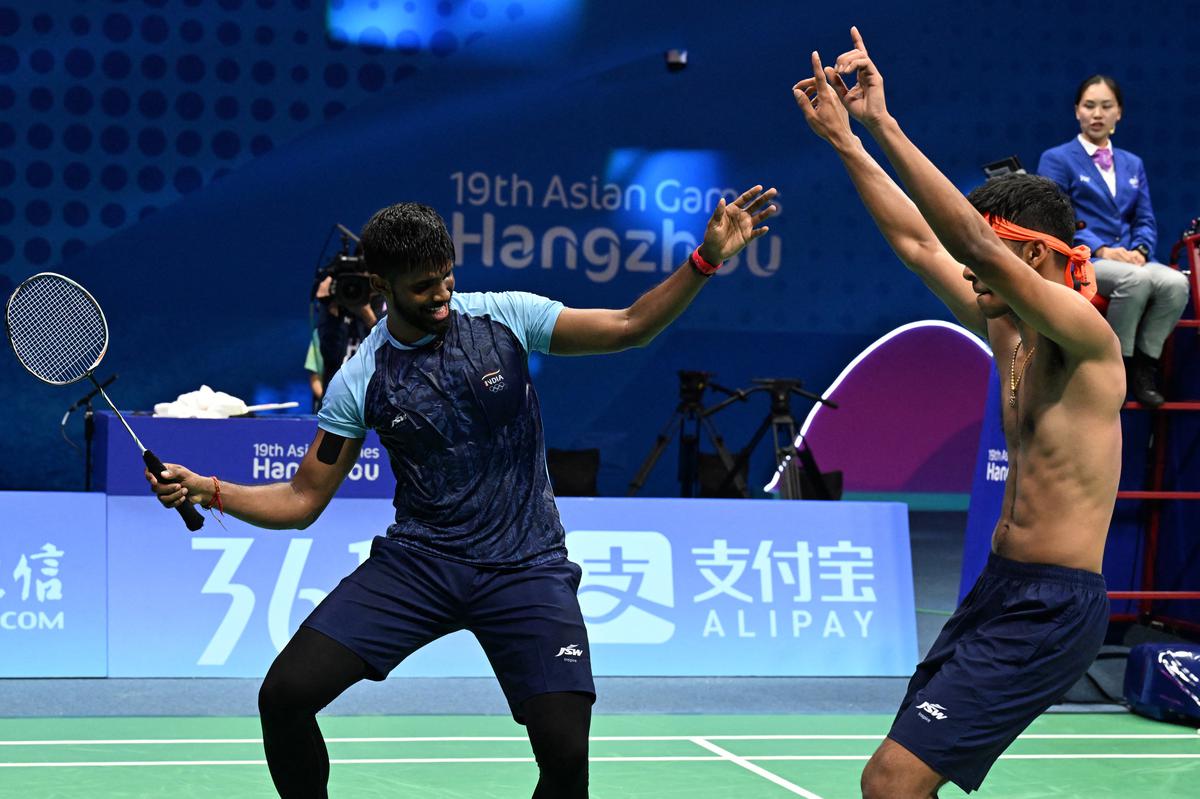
(1162, 681)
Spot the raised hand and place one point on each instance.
(821, 105)
(866, 101)
(734, 225)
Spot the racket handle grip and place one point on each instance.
(191, 516)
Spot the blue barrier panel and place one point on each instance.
(744, 587)
(223, 603)
(670, 587)
(52, 585)
(987, 491)
(245, 450)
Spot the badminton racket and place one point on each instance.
(60, 335)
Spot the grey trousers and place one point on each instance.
(1144, 302)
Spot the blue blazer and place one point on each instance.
(1126, 220)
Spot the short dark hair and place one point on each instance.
(1030, 201)
(1107, 81)
(406, 237)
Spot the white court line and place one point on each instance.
(135, 763)
(1105, 736)
(134, 741)
(1082, 756)
(1103, 756)
(747, 761)
(354, 761)
(759, 770)
(522, 738)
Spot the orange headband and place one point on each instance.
(1079, 273)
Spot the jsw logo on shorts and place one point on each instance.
(937, 711)
(570, 649)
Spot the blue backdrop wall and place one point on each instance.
(186, 159)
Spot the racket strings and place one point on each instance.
(56, 329)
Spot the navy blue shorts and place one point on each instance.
(1023, 636)
(527, 620)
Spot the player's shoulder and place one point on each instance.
(473, 303)
(499, 305)
(375, 338)
(483, 299)
(487, 309)
(361, 364)
(529, 317)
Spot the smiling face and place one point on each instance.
(1098, 111)
(411, 259)
(418, 302)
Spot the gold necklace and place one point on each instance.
(1014, 379)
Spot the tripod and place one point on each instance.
(688, 419)
(792, 462)
(89, 428)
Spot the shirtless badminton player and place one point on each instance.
(1038, 614)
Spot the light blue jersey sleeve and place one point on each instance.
(343, 410)
(530, 317)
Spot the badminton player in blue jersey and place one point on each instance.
(476, 543)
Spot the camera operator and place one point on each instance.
(347, 309)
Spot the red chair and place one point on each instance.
(1190, 247)
(1153, 492)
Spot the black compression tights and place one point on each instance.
(310, 672)
(313, 669)
(558, 730)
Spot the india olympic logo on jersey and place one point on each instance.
(627, 585)
(494, 382)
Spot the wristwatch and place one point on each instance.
(1144, 250)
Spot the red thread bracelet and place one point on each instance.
(216, 497)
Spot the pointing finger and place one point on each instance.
(818, 71)
(856, 37)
